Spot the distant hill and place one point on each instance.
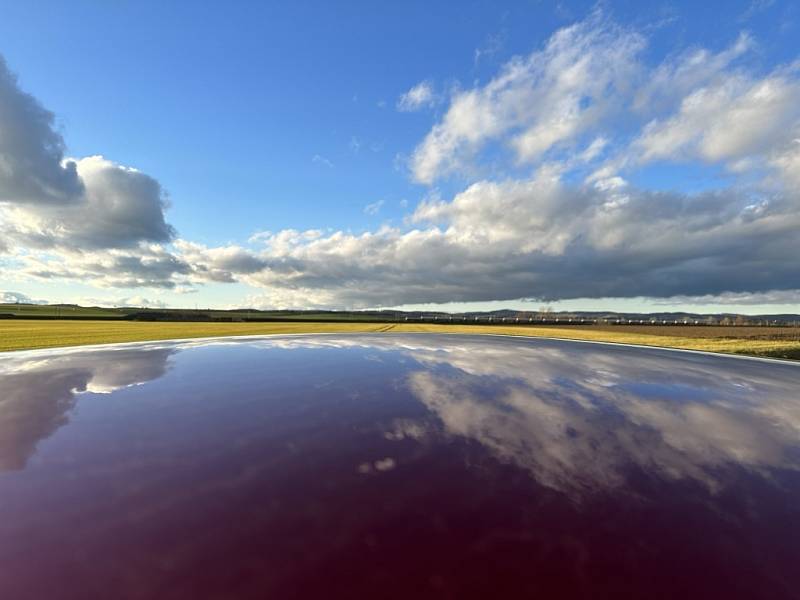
(73, 311)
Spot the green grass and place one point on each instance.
(69, 311)
(30, 334)
(22, 334)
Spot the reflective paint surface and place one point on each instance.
(397, 466)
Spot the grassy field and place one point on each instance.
(777, 342)
(71, 311)
(705, 331)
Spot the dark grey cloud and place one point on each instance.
(220, 265)
(87, 219)
(539, 238)
(145, 266)
(119, 208)
(32, 166)
(49, 203)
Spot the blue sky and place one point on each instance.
(258, 118)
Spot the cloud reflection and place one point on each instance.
(583, 420)
(578, 418)
(585, 417)
(37, 392)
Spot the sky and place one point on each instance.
(445, 155)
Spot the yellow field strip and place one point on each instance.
(23, 335)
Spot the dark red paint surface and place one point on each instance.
(397, 466)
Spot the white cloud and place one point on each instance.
(146, 265)
(547, 98)
(755, 7)
(219, 264)
(680, 75)
(86, 219)
(786, 161)
(490, 47)
(50, 202)
(374, 208)
(120, 207)
(536, 238)
(318, 159)
(419, 96)
(734, 118)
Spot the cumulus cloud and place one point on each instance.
(32, 165)
(48, 201)
(86, 219)
(536, 238)
(687, 71)
(219, 264)
(144, 266)
(708, 108)
(119, 208)
(536, 102)
(786, 161)
(419, 96)
(735, 118)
